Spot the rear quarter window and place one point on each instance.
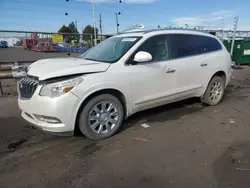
(205, 44)
(185, 45)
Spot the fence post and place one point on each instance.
(1, 88)
(91, 40)
(234, 34)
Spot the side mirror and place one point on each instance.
(142, 56)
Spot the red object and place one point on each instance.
(44, 47)
(28, 43)
(142, 139)
(5, 68)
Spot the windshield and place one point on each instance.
(110, 50)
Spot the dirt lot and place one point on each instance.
(186, 145)
(19, 54)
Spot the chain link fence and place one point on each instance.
(26, 46)
(18, 49)
(16, 46)
(229, 34)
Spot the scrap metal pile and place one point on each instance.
(47, 44)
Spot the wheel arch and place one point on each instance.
(219, 73)
(115, 92)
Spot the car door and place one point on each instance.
(187, 63)
(209, 53)
(151, 82)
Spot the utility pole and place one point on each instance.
(117, 24)
(94, 21)
(76, 24)
(100, 25)
(235, 29)
(223, 29)
(117, 21)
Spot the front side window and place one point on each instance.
(157, 46)
(182, 45)
(110, 50)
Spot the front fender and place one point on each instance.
(99, 87)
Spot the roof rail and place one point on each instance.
(145, 31)
(181, 29)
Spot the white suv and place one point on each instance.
(123, 75)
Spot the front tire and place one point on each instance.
(101, 117)
(214, 92)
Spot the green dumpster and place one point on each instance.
(241, 52)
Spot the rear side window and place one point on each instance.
(206, 44)
(182, 45)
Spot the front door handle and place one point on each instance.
(170, 70)
(203, 64)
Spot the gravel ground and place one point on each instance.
(19, 54)
(186, 145)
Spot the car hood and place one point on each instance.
(52, 68)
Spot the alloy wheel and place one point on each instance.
(103, 117)
(216, 91)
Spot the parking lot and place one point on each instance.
(20, 54)
(187, 145)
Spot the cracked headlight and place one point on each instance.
(61, 87)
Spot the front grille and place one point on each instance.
(27, 87)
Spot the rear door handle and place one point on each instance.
(203, 64)
(170, 70)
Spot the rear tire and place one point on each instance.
(101, 117)
(214, 92)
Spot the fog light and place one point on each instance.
(51, 119)
(40, 118)
(27, 114)
(48, 119)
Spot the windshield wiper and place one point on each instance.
(91, 59)
(97, 60)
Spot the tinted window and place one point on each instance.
(157, 46)
(206, 44)
(182, 45)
